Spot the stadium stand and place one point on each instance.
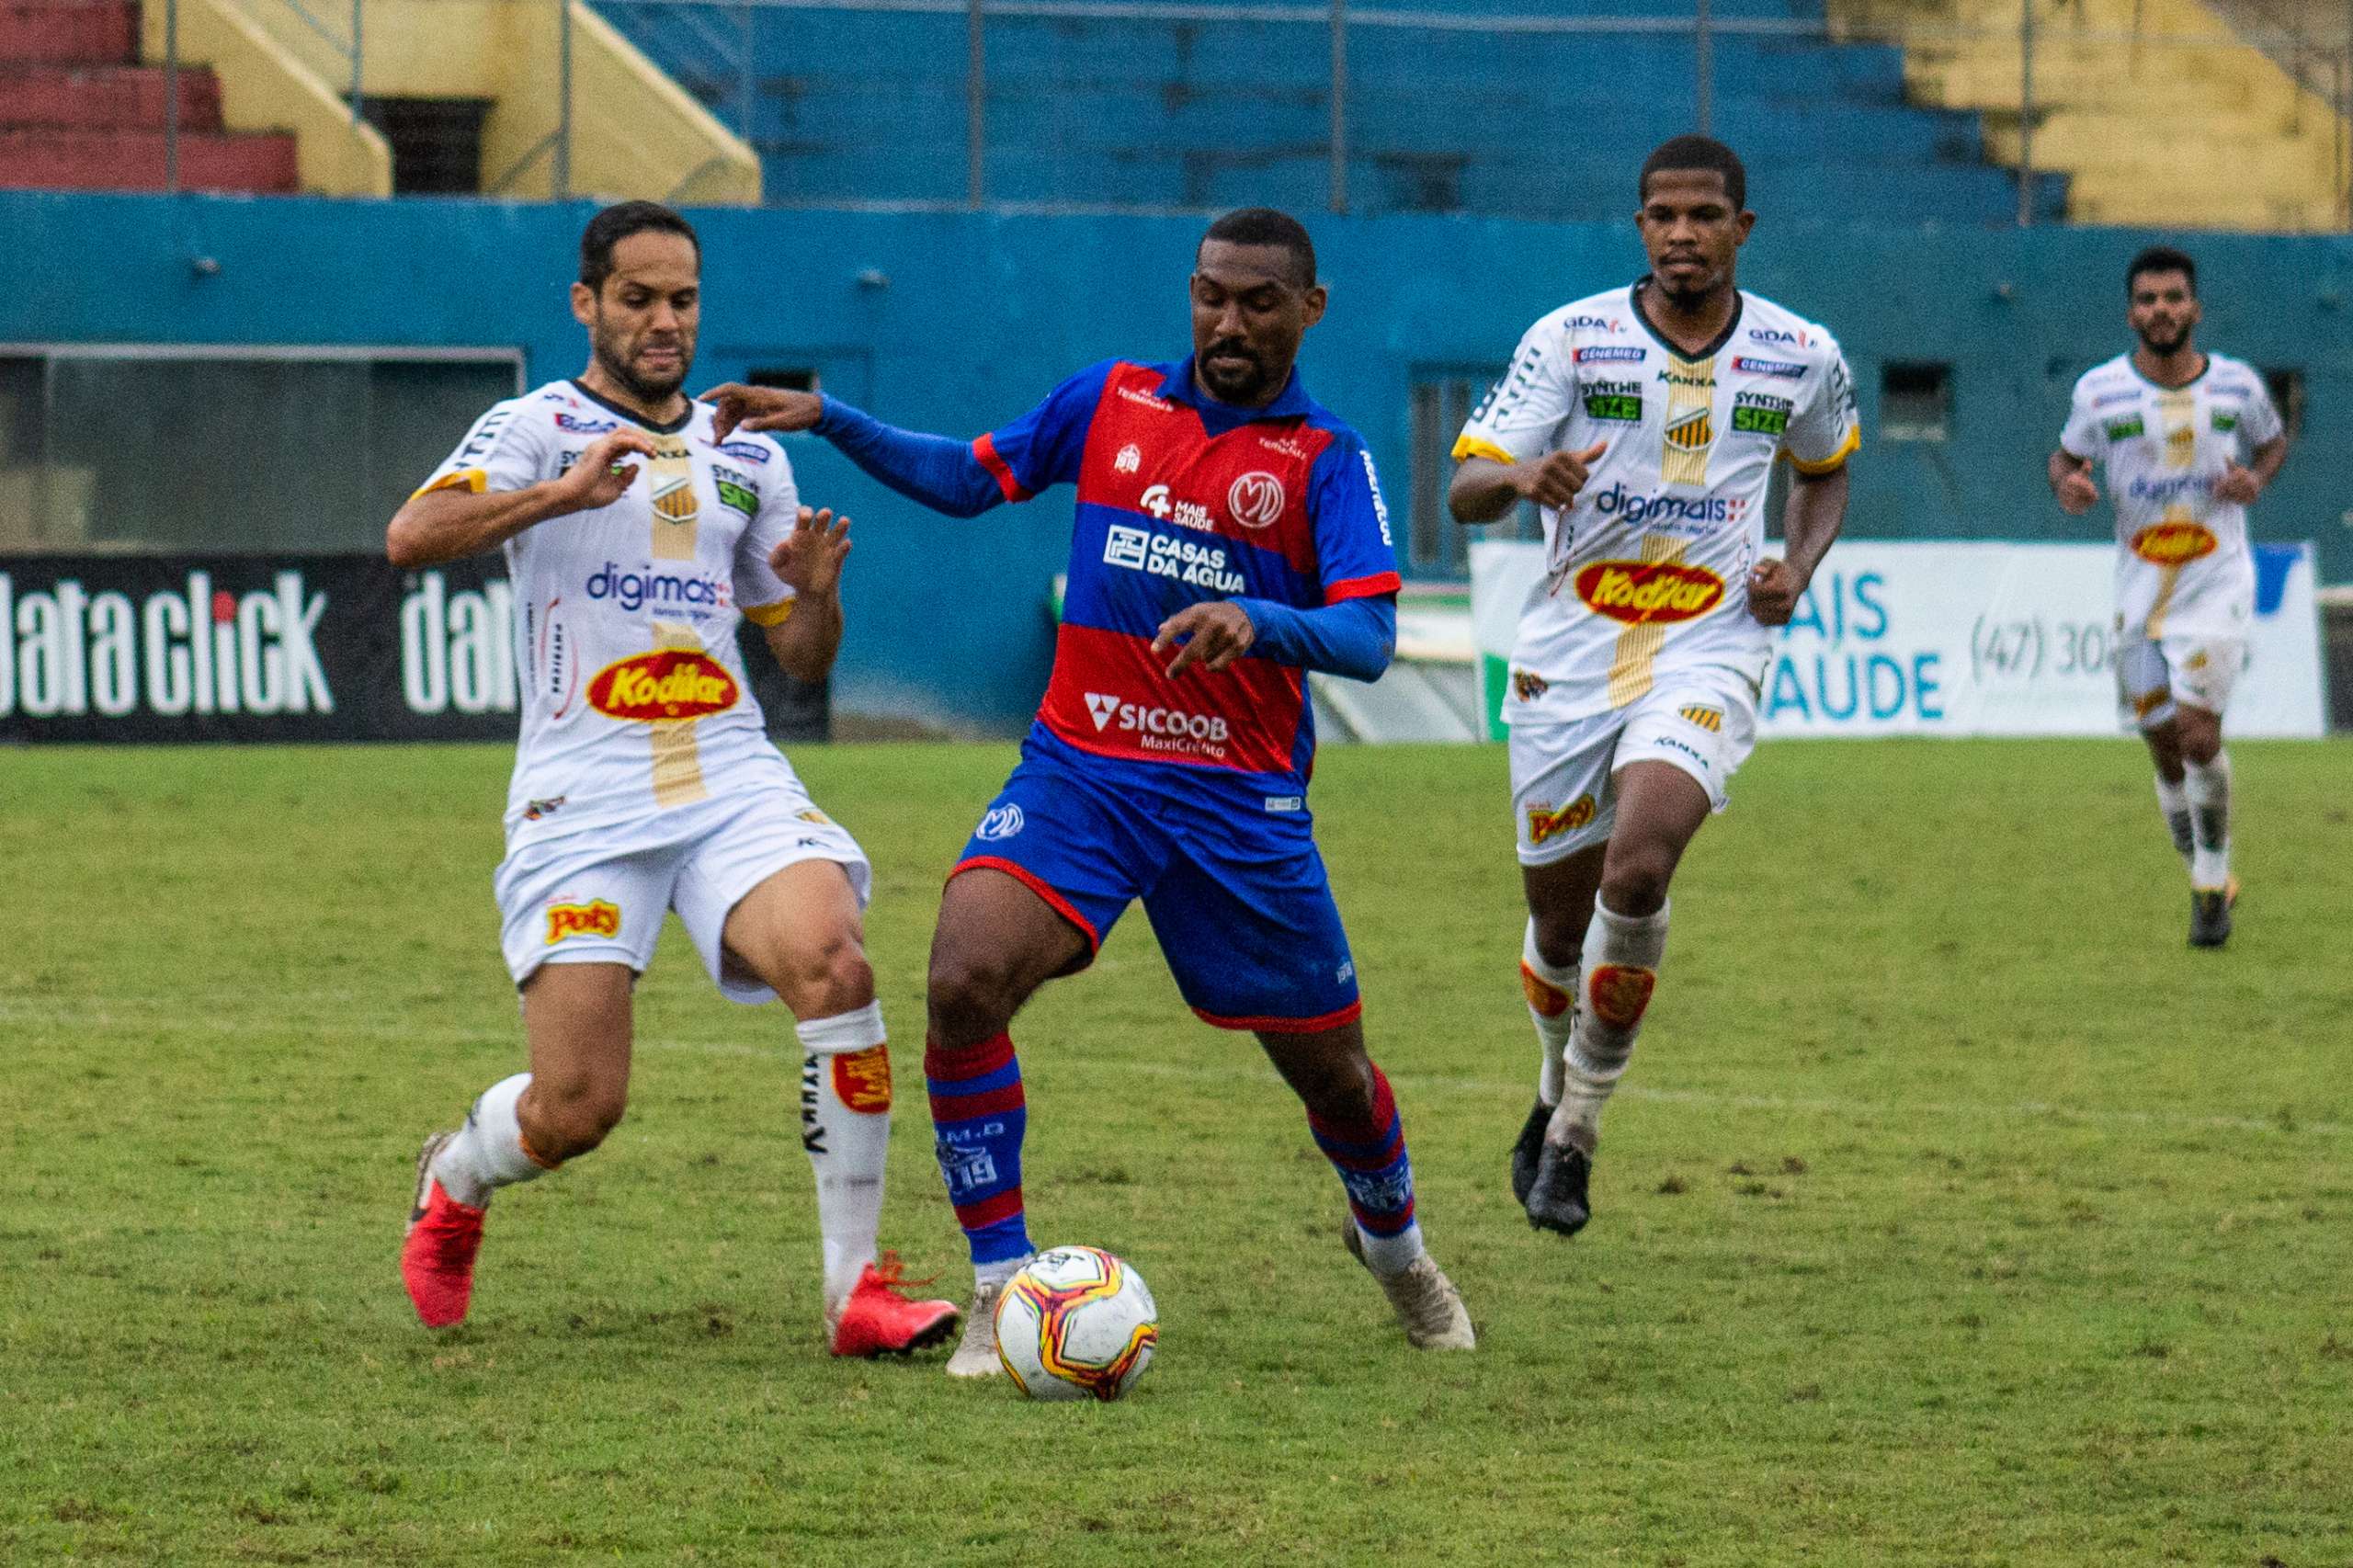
(77, 109)
(1131, 111)
(2155, 110)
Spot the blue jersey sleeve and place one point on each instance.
(1353, 552)
(937, 471)
(1043, 448)
(1353, 637)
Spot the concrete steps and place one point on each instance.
(78, 111)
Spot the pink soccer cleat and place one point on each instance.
(438, 1258)
(878, 1318)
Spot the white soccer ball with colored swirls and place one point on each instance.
(1075, 1323)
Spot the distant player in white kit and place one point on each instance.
(2189, 441)
(644, 781)
(1645, 421)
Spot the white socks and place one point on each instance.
(2174, 800)
(1621, 959)
(1551, 1007)
(845, 1130)
(488, 1152)
(2208, 787)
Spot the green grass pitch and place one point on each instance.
(1953, 1213)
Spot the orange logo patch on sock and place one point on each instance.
(1621, 994)
(1549, 1000)
(862, 1079)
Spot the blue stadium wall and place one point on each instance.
(952, 322)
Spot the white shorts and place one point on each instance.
(599, 897)
(1563, 777)
(2152, 676)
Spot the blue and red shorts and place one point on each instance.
(1238, 895)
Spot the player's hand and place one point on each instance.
(1555, 478)
(1774, 589)
(761, 408)
(809, 559)
(2076, 493)
(1215, 632)
(603, 474)
(2238, 485)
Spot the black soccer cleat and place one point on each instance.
(1524, 1152)
(1556, 1200)
(2210, 916)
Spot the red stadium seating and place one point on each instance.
(78, 111)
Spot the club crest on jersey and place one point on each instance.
(1129, 459)
(668, 683)
(599, 918)
(1691, 432)
(1644, 593)
(2174, 544)
(1256, 499)
(1543, 822)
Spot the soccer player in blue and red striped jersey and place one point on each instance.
(1230, 537)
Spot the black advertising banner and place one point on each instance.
(253, 648)
(278, 648)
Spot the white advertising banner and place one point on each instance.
(1962, 639)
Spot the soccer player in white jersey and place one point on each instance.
(1644, 422)
(644, 781)
(2190, 440)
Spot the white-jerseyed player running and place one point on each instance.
(2190, 440)
(1645, 421)
(644, 781)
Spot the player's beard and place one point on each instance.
(2164, 347)
(650, 392)
(1230, 386)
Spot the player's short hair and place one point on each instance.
(2160, 259)
(617, 223)
(1265, 226)
(1697, 153)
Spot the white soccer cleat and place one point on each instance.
(1425, 1302)
(976, 1352)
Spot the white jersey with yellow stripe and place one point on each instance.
(1648, 570)
(2183, 568)
(634, 695)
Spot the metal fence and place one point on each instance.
(720, 37)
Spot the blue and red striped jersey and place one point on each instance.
(1180, 499)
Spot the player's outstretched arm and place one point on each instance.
(435, 526)
(1810, 523)
(1353, 637)
(939, 472)
(1483, 490)
(809, 560)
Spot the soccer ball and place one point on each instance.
(1076, 1322)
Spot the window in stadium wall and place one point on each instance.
(1435, 544)
(1915, 401)
(228, 448)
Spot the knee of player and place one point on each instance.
(1634, 882)
(970, 998)
(569, 1117)
(832, 977)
